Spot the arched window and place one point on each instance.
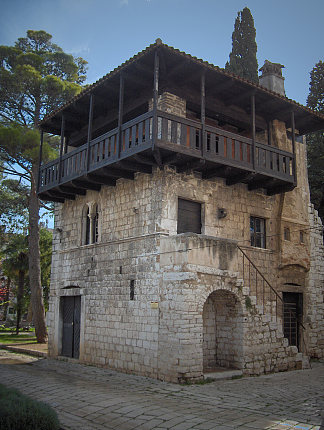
(94, 221)
(90, 224)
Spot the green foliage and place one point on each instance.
(16, 339)
(248, 303)
(315, 99)
(19, 412)
(45, 243)
(36, 77)
(315, 141)
(242, 60)
(14, 255)
(13, 205)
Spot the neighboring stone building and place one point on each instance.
(184, 238)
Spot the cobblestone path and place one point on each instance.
(88, 398)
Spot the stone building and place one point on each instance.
(184, 237)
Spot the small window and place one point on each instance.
(301, 236)
(189, 216)
(132, 290)
(287, 233)
(257, 232)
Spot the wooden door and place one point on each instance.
(71, 311)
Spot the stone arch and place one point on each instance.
(222, 331)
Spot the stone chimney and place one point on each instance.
(272, 78)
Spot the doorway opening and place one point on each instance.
(292, 317)
(222, 332)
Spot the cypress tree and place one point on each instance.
(242, 59)
(315, 141)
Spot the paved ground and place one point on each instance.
(88, 398)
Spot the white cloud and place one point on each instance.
(81, 49)
(123, 2)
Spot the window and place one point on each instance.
(189, 216)
(90, 224)
(87, 227)
(287, 233)
(257, 232)
(301, 236)
(132, 290)
(94, 221)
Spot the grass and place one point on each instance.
(13, 339)
(4, 329)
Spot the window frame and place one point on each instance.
(258, 239)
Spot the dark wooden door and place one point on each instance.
(71, 310)
(189, 216)
(293, 311)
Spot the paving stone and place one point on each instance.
(99, 399)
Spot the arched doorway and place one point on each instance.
(222, 331)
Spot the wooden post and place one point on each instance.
(66, 144)
(120, 114)
(40, 159)
(203, 113)
(253, 128)
(269, 130)
(155, 99)
(89, 130)
(61, 148)
(293, 144)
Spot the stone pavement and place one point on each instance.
(89, 398)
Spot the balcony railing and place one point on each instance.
(173, 135)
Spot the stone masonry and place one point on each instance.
(192, 307)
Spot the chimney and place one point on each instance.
(272, 78)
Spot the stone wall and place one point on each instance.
(189, 289)
(314, 309)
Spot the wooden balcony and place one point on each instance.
(165, 139)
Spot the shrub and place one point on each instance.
(19, 412)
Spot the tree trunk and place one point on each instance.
(7, 299)
(20, 295)
(34, 262)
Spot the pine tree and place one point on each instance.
(36, 77)
(242, 59)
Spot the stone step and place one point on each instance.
(223, 373)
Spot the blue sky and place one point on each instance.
(108, 32)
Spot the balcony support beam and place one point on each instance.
(61, 147)
(293, 143)
(253, 128)
(203, 112)
(89, 129)
(155, 99)
(120, 113)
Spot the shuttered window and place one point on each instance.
(189, 216)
